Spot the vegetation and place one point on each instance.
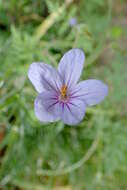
(37, 156)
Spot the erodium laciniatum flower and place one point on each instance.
(72, 21)
(60, 96)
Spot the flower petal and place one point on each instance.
(46, 107)
(73, 112)
(91, 91)
(71, 65)
(44, 76)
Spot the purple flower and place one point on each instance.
(72, 21)
(60, 96)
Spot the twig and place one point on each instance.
(51, 19)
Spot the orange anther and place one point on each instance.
(63, 91)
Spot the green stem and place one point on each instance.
(73, 167)
(51, 19)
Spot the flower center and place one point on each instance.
(63, 92)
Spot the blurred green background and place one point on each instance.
(36, 156)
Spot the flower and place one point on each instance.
(60, 96)
(72, 21)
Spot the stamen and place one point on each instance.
(63, 91)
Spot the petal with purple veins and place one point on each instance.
(73, 112)
(91, 91)
(44, 76)
(46, 107)
(71, 65)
